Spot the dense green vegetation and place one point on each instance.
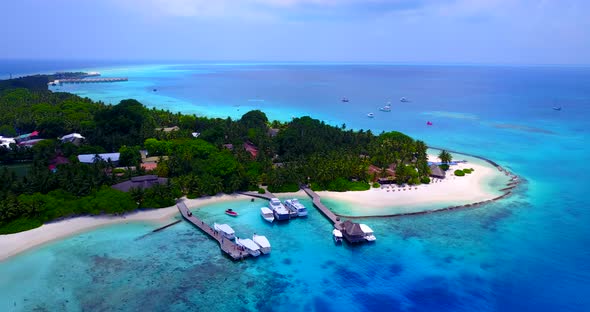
(459, 173)
(304, 151)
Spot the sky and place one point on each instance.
(398, 31)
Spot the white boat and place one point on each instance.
(225, 230)
(267, 214)
(369, 236)
(386, 108)
(280, 212)
(296, 206)
(262, 242)
(337, 235)
(403, 99)
(370, 115)
(249, 245)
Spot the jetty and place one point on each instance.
(317, 202)
(230, 248)
(87, 80)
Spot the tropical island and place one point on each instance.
(63, 156)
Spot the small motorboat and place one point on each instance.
(296, 206)
(428, 123)
(267, 214)
(249, 245)
(337, 235)
(345, 100)
(230, 212)
(225, 230)
(556, 108)
(262, 242)
(369, 235)
(386, 108)
(403, 99)
(370, 115)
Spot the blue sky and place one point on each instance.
(413, 31)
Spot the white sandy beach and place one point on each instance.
(439, 194)
(377, 201)
(12, 244)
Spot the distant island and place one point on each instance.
(63, 155)
(41, 82)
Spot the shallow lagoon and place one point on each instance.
(181, 269)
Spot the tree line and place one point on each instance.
(303, 150)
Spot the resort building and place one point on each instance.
(5, 142)
(273, 132)
(29, 143)
(26, 137)
(386, 176)
(228, 146)
(250, 148)
(168, 129)
(74, 138)
(141, 182)
(437, 172)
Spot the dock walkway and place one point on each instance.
(317, 202)
(268, 195)
(89, 80)
(226, 245)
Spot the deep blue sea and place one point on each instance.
(529, 252)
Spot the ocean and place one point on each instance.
(526, 252)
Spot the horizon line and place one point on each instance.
(297, 62)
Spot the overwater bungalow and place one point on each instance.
(353, 232)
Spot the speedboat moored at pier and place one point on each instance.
(267, 214)
(337, 235)
(296, 206)
(249, 245)
(262, 242)
(369, 235)
(281, 213)
(225, 230)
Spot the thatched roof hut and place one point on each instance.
(437, 172)
(352, 232)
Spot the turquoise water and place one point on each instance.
(527, 252)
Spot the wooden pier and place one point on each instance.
(268, 195)
(317, 202)
(227, 246)
(88, 80)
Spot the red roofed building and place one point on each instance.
(149, 166)
(250, 148)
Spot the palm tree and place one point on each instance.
(445, 157)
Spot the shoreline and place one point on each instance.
(489, 182)
(16, 243)
(470, 191)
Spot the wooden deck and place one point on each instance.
(92, 80)
(268, 195)
(317, 202)
(226, 245)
